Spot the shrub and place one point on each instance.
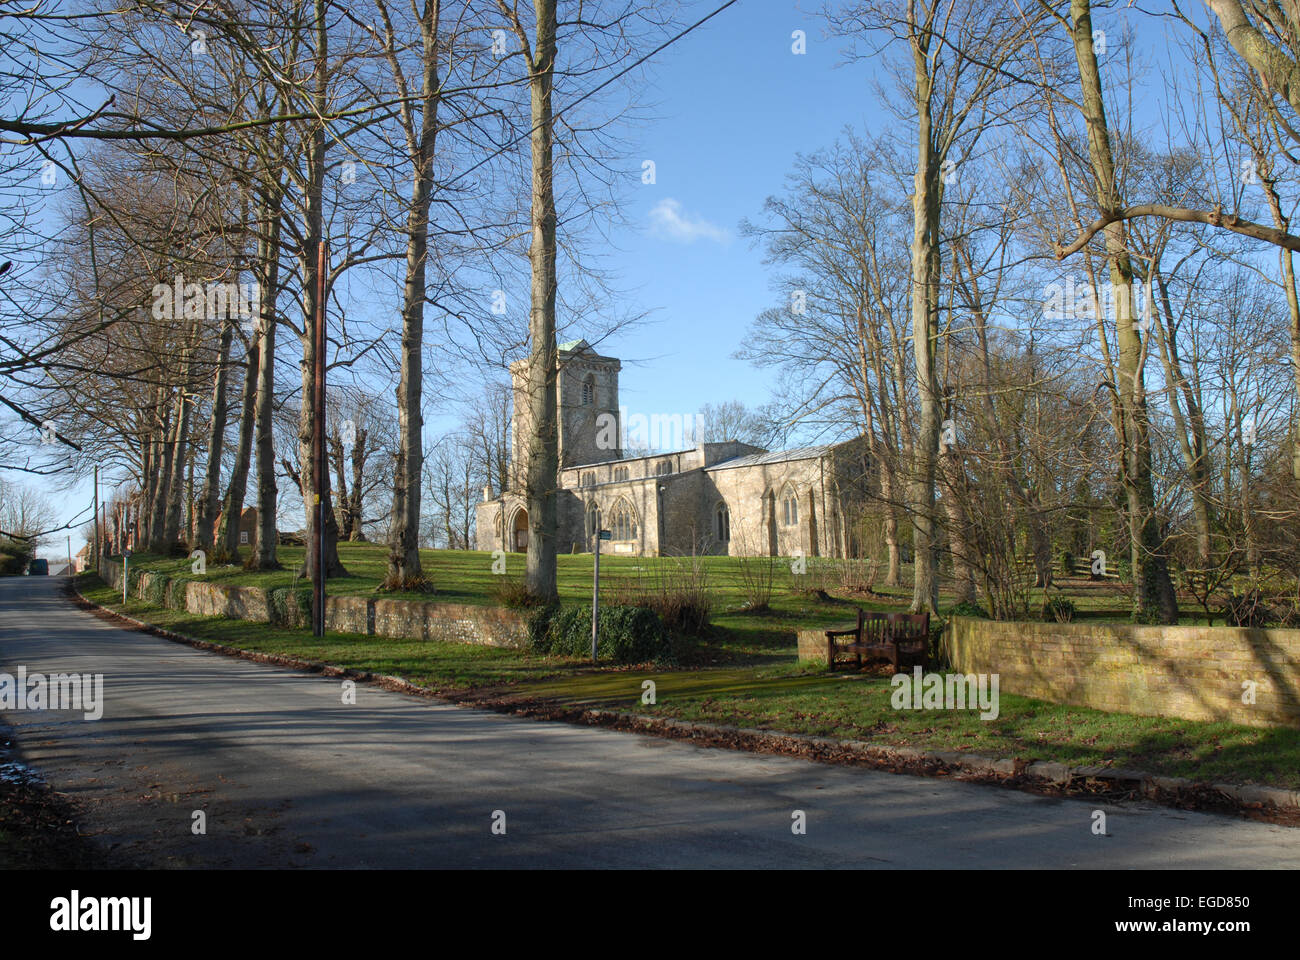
(290, 606)
(14, 556)
(626, 634)
(420, 584)
(1067, 562)
(1247, 610)
(1058, 609)
(539, 626)
(513, 592)
(816, 580)
(176, 596)
(155, 591)
(858, 576)
(968, 608)
(679, 594)
(757, 578)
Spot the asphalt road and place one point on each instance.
(288, 775)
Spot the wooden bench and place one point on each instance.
(901, 638)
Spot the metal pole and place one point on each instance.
(69, 554)
(595, 597)
(126, 576)
(318, 448)
(95, 548)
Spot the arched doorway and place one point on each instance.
(519, 539)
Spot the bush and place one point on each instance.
(678, 594)
(1247, 610)
(757, 578)
(155, 591)
(539, 625)
(968, 608)
(513, 592)
(1057, 609)
(176, 596)
(14, 556)
(627, 634)
(290, 606)
(1067, 563)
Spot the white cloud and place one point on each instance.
(668, 220)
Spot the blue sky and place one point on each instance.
(733, 105)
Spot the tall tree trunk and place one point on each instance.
(155, 505)
(265, 557)
(542, 469)
(925, 240)
(233, 506)
(404, 557)
(1189, 428)
(211, 492)
(338, 457)
(963, 571)
(354, 498)
(1153, 589)
(176, 478)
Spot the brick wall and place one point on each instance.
(1191, 672)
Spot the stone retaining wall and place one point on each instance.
(1197, 673)
(373, 616)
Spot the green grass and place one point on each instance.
(465, 576)
(858, 707)
(764, 687)
(740, 636)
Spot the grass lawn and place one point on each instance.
(764, 687)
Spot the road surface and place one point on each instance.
(286, 774)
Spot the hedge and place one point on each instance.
(626, 634)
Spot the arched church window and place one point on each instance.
(593, 519)
(622, 521)
(789, 507)
(588, 392)
(663, 468)
(620, 473)
(722, 522)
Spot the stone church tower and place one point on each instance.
(587, 395)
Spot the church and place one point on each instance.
(725, 498)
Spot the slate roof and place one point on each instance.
(775, 456)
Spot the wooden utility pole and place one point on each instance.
(94, 550)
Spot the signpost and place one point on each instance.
(126, 572)
(595, 592)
